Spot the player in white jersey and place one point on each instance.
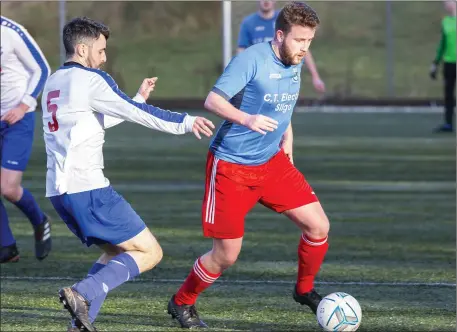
(79, 102)
(24, 71)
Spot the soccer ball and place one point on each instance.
(339, 312)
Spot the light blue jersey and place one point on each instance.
(256, 82)
(255, 29)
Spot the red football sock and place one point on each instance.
(196, 282)
(311, 253)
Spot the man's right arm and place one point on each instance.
(109, 100)
(239, 72)
(221, 107)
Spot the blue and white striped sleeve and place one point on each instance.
(110, 121)
(108, 99)
(29, 53)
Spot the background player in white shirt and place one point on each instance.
(79, 102)
(24, 71)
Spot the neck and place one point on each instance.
(275, 46)
(267, 15)
(77, 60)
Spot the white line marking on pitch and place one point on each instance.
(250, 282)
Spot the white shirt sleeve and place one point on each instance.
(108, 99)
(29, 53)
(109, 121)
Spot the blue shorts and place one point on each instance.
(16, 142)
(98, 216)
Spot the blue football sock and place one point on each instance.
(6, 236)
(30, 208)
(120, 269)
(97, 303)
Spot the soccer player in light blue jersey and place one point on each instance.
(250, 161)
(259, 27)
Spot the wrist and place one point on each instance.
(143, 95)
(23, 107)
(243, 118)
(189, 123)
(27, 103)
(139, 98)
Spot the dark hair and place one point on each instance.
(296, 13)
(81, 28)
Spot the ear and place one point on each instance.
(81, 50)
(280, 36)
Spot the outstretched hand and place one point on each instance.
(147, 87)
(202, 126)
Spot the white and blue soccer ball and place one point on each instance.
(339, 312)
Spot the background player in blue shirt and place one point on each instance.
(250, 161)
(259, 27)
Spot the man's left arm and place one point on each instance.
(311, 65)
(29, 53)
(111, 121)
(287, 143)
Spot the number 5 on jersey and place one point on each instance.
(54, 125)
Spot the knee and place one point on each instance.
(226, 258)
(10, 191)
(154, 255)
(319, 228)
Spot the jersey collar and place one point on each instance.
(72, 63)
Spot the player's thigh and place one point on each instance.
(227, 200)
(286, 187)
(17, 142)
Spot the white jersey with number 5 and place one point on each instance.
(24, 68)
(78, 104)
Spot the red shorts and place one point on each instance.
(232, 190)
